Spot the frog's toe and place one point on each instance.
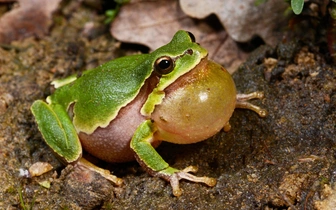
(105, 173)
(184, 174)
(192, 169)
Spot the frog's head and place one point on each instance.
(181, 55)
(194, 97)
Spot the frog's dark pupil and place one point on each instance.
(164, 64)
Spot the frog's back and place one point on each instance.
(99, 93)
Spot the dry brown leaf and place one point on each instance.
(32, 17)
(153, 23)
(39, 168)
(243, 19)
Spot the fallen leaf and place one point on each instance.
(32, 17)
(243, 19)
(45, 184)
(39, 168)
(153, 23)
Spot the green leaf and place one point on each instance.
(45, 184)
(259, 2)
(332, 10)
(121, 1)
(297, 6)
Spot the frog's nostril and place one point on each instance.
(189, 52)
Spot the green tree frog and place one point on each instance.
(123, 109)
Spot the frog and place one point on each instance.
(122, 110)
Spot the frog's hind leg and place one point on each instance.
(83, 163)
(242, 102)
(58, 131)
(61, 136)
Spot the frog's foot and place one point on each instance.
(174, 176)
(227, 127)
(242, 102)
(105, 173)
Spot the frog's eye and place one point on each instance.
(192, 37)
(164, 65)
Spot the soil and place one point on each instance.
(283, 161)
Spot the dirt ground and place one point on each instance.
(283, 161)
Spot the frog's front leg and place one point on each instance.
(148, 158)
